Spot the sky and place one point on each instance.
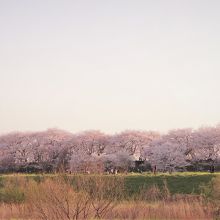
(109, 65)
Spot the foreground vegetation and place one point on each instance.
(133, 196)
(177, 183)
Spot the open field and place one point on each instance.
(131, 196)
(183, 183)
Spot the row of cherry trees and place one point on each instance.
(91, 151)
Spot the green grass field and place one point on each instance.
(177, 183)
(183, 183)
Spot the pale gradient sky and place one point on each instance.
(109, 65)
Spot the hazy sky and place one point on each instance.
(109, 65)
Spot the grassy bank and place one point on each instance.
(181, 183)
(177, 183)
(136, 196)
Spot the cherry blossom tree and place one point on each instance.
(167, 155)
(91, 142)
(57, 150)
(131, 141)
(206, 144)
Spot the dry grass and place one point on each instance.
(57, 199)
(13, 211)
(216, 195)
(125, 210)
(162, 210)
